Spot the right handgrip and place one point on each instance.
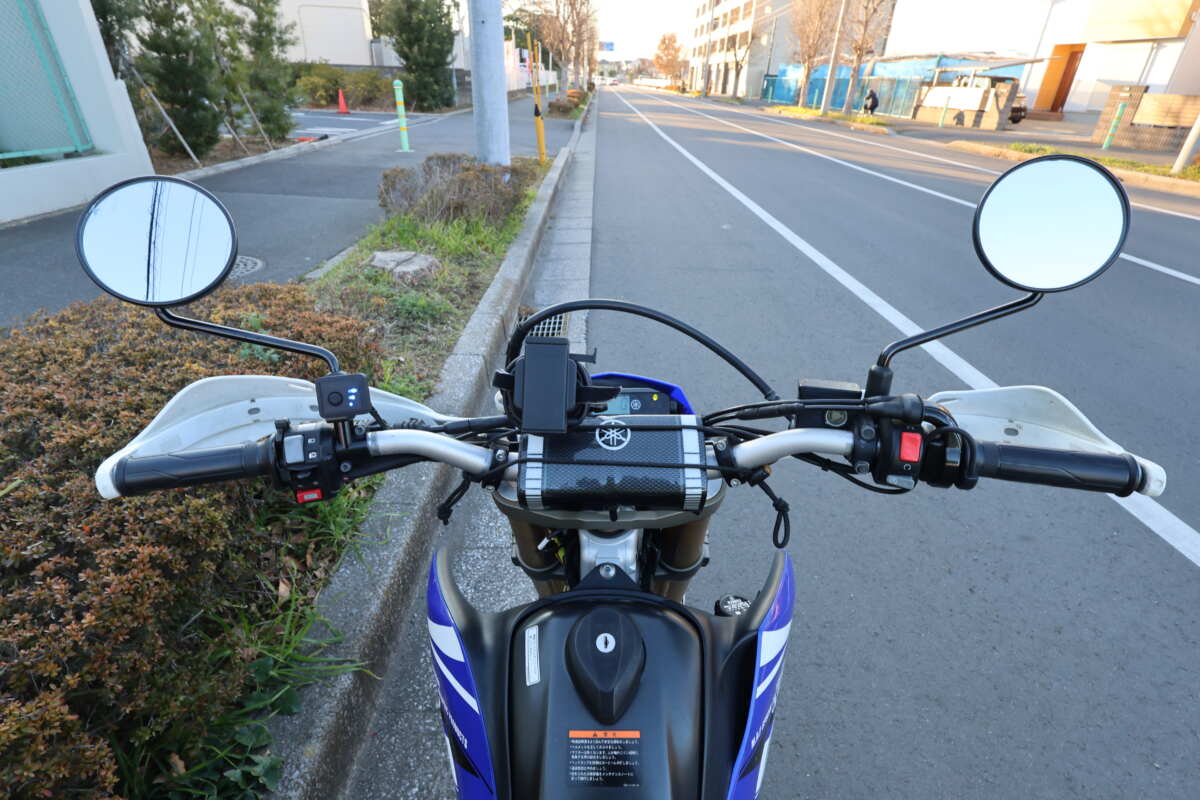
(1118, 474)
(191, 467)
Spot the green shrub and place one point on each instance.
(317, 90)
(113, 658)
(367, 87)
(450, 186)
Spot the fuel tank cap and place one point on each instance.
(605, 658)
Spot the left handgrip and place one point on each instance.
(132, 476)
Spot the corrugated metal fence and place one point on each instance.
(41, 116)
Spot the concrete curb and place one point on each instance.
(281, 153)
(1144, 180)
(377, 579)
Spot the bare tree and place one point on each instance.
(741, 49)
(568, 28)
(866, 21)
(812, 28)
(669, 58)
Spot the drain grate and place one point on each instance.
(246, 265)
(551, 326)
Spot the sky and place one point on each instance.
(635, 26)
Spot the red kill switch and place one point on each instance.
(910, 447)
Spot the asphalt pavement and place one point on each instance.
(291, 214)
(1013, 641)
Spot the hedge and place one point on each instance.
(114, 659)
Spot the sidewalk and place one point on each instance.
(291, 214)
(1073, 133)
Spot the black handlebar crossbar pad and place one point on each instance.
(189, 468)
(1097, 472)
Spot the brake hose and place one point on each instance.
(522, 330)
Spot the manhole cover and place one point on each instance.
(246, 265)
(552, 326)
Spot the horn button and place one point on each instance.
(605, 657)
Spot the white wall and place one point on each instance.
(103, 102)
(1104, 66)
(337, 31)
(923, 27)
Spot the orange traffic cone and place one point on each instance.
(342, 109)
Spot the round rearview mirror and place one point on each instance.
(1051, 223)
(156, 241)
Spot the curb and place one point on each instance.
(881, 130)
(1128, 176)
(376, 580)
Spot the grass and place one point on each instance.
(1190, 173)
(419, 324)
(282, 638)
(812, 113)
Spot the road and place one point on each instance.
(1013, 641)
(291, 214)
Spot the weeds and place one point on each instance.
(1189, 173)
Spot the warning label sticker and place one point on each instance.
(605, 758)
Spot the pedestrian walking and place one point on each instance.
(870, 102)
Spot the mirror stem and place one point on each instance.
(879, 380)
(250, 337)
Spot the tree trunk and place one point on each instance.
(737, 79)
(848, 106)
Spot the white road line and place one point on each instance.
(327, 130)
(1183, 276)
(1150, 513)
(918, 153)
(1174, 273)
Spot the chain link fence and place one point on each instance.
(41, 116)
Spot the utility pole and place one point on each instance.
(708, 42)
(1189, 147)
(771, 55)
(831, 78)
(489, 83)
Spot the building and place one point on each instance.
(335, 31)
(1088, 46)
(740, 41)
(67, 130)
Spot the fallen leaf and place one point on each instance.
(177, 765)
(284, 591)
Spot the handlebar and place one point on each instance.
(131, 476)
(1121, 475)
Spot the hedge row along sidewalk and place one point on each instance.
(144, 642)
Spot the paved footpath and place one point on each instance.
(291, 214)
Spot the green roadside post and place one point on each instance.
(1112, 129)
(398, 86)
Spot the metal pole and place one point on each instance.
(489, 86)
(708, 45)
(831, 78)
(398, 88)
(945, 110)
(535, 75)
(254, 117)
(1188, 149)
(1112, 129)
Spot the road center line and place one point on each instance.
(1174, 273)
(919, 154)
(1146, 510)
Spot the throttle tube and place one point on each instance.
(191, 467)
(1095, 472)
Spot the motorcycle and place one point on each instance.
(608, 684)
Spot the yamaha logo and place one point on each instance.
(613, 434)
